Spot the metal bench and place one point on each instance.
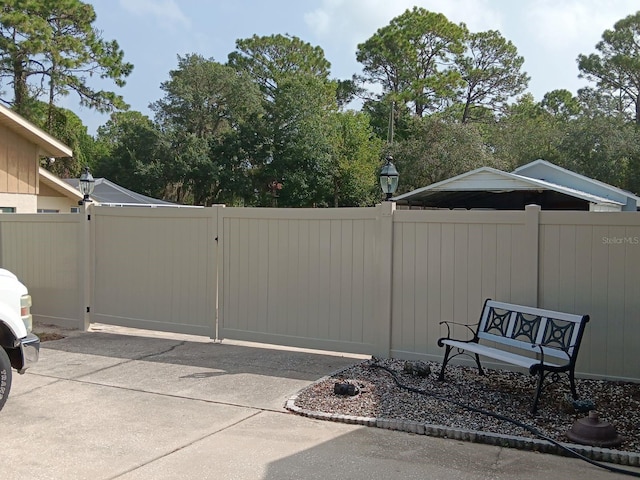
(549, 341)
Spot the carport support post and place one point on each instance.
(383, 306)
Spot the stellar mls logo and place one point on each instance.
(621, 240)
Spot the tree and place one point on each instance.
(379, 112)
(595, 102)
(411, 59)
(354, 161)
(561, 104)
(525, 133)
(297, 128)
(67, 127)
(491, 70)
(437, 150)
(269, 60)
(128, 146)
(204, 108)
(603, 148)
(616, 69)
(301, 137)
(50, 48)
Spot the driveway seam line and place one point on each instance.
(186, 445)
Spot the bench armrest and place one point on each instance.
(539, 346)
(467, 325)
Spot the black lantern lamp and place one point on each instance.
(86, 185)
(389, 178)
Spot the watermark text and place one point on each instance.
(621, 240)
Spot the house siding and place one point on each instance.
(18, 164)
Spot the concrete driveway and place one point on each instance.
(125, 404)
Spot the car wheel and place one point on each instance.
(5, 376)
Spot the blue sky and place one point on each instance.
(549, 34)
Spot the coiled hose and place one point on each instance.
(529, 428)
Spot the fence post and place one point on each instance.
(86, 268)
(532, 259)
(215, 268)
(385, 277)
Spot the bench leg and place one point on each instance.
(445, 360)
(534, 409)
(480, 370)
(572, 383)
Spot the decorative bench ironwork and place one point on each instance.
(550, 339)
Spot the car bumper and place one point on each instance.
(30, 349)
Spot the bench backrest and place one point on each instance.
(519, 326)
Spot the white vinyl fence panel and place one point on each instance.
(590, 263)
(446, 263)
(47, 253)
(306, 277)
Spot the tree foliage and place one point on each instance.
(616, 69)
(270, 60)
(49, 48)
(603, 148)
(205, 106)
(299, 102)
(437, 150)
(128, 154)
(411, 59)
(65, 126)
(354, 161)
(491, 70)
(527, 132)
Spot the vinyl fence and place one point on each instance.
(364, 280)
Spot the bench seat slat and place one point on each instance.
(526, 346)
(496, 354)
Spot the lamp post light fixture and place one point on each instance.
(86, 185)
(389, 178)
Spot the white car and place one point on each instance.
(20, 347)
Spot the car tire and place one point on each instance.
(5, 377)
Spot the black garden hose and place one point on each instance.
(529, 428)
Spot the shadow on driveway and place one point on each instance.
(210, 358)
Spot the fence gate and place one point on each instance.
(301, 277)
(155, 268)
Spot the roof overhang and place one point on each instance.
(49, 179)
(49, 146)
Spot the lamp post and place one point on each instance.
(86, 185)
(389, 178)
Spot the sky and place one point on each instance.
(549, 34)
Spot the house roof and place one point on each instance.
(543, 170)
(491, 180)
(109, 193)
(48, 145)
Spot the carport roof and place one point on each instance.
(491, 180)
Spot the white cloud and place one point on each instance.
(570, 24)
(359, 19)
(340, 25)
(166, 12)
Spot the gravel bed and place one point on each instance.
(504, 392)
